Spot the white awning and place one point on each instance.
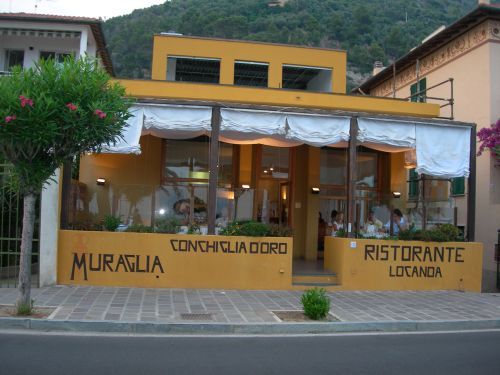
(318, 130)
(165, 121)
(394, 135)
(282, 129)
(246, 126)
(129, 143)
(443, 151)
(176, 121)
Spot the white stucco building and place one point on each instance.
(24, 39)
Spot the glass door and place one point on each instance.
(273, 185)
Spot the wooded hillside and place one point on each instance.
(369, 30)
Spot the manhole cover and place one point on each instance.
(194, 316)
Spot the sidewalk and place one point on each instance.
(229, 311)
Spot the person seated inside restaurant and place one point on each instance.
(372, 224)
(336, 223)
(398, 222)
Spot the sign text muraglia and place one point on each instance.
(132, 263)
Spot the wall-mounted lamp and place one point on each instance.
(396, 194)
(161, 211)
(101, 181)
(315, 190)
(245, 186)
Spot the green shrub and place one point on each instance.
(193, 229)
(245, 228)
(232, 229)
(316, 303)
(276, 230)
(441, 233)
(25, 308)
(111, 222)
(139, 228)
(169, 225)
(341, 233)
(449, 231)
(255, 229)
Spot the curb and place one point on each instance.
(249, 328)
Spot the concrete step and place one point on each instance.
(305, 286)
(314, 279)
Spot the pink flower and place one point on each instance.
(25, 101)
(71, 106)
(489, 138)
(99, 113)
(10, 118)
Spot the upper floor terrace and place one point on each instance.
(253, 73)
(25, 38)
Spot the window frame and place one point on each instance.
(7, 51)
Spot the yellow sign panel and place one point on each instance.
(404, 265)
(174, 261)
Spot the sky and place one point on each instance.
(83, 8)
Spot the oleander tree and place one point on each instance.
(48, 115)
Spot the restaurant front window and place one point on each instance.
(333, 179)
(184, 192)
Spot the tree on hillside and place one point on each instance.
(48, 115)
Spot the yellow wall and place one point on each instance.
(398, 178)
(352, 261)
(275, 97)
(181, 269)
(228, 51)
(245, 172)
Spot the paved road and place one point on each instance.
(446, 353)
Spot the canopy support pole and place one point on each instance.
(213, 169)
(471, 185)
(352, 176)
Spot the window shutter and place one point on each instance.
(423, 86)
(458, 186)
(413, 91)
(413, 184)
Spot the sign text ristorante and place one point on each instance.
(426, 260)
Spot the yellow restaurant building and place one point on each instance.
(230, 130)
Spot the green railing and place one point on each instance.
(11, 218)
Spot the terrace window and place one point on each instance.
(307, 78)
(248, 73)
(193, 69)
(13, 58)
(57, 56)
